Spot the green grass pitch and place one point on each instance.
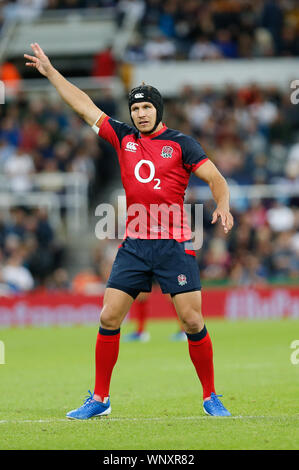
(155, 394)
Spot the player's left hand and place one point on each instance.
(39, 61)
(227, 219)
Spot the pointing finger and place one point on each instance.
(35, 49)
(39, 49)
(31, 57)
(214, 218)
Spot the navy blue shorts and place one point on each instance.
(138, 261)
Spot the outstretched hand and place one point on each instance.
(226, 218)
(39, 61)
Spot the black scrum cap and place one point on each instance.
(150, 94)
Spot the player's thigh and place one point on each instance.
(188, 308)
(116, 305)
(143, 297)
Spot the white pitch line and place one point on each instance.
(166, 418)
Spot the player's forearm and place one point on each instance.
(220, 191)
(77, 99)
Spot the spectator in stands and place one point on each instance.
(10, 131)
(283, 255)
(292, 166)
(6, 287)
(104, 63)
(88, 282)
(216, 260)
(258, 28)
(263, 44)
(62, 155)
(83, 163)
(226, 45)
(159, 48)
(17, 275)
(107, 102)
(151, 16)
(272, 20)
(19, 169)
(6, 151)
(29, 134)
(59, 280)
(167, 18)
(249, 270)
(134, 52)
(10, 75)
(203, 49)
(29, 249)
(280, 217)
(16, 225)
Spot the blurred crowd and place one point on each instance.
(40, 135)
(191, 29)
(216, 29)
(251, 134)
(30, 253)
(262, 248)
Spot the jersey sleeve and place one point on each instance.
(111, 130)
(193, 154)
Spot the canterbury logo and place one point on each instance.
(138, 95)
(131, 146)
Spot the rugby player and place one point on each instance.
(156, 163)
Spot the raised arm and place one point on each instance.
(72, 95)
(219, 188)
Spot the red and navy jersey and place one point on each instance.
(155, 171)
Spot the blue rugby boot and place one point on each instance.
(90, 409)
(143, 337)
(179, 336)
(214, 407)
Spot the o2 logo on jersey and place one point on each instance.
(150, 178)
(167, 151)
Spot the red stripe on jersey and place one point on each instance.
(190, 252)
(199, 164)
(99, 122)
(155, 134)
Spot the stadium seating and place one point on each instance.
(249, 129)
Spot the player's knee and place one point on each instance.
(192, 321)
(191, 326)
(109, 319)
